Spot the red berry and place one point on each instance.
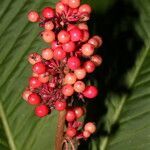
(44, 78)
(83, 26)
(49, 25)
(60, 105)
(79, 86)
(64, 1)
(33, 16)
(97, 60)
(47, 53)
(59, 53)
(90, 127)
(42, 111)
(73, 62)
(26, 94)
(70, 78)
(69, 47)
(87, 49)
(71, 26)
(86, 35)
(79, 112)
(48, 12)
(34, 58)
(67, 90)
(70, 116)
(60, 8)
(74, 3)
(71, 132)
(34, 82)
(63, 36)
(55, 45)
(85, 8)
(86, 134)
(89, 66)
(80, 73)
(90, 92)
(76, 34)
(34, 99)
(48, 36)
(39, 68)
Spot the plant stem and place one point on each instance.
(60, 130)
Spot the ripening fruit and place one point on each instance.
(79, 112)
(71, 26)
(34, 58)
(80, 73)
(47, 53)
(99, 40)
(85, 36)
(34, 82)
(64, 1)
(90, 126)
(49, 25)
(60, 105)
(89, 66)
(76, 34)
(48, 36)
(60, 8)
(74, 3)
(86, 134)
(63, 36)
(85, 8)
(26, 94)
(69, 46)
(70, 116)
(90, 91)
(70, 78)
(94, 42)
(33, 16)
(44, 78)
(71, 132)
(97, 60)
(79, 86)
(73, 63)
(34, 74)
(67, 90)
(39, 68)
(87, 49)
(48, 12)
(59, 53)
(42, 111)
(55, 45)
(83, 26)
(34, 99)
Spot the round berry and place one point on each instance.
(49, 25)
(79, 112)
(71, 132)
(67, 90)
(34, 82)
(34, 58)
(90, 127)
(33, 16)
(34, 99)
(94, 42)
(42, 111)
(44, 78)
(80, 73)
(59, 53)
(89, 66)
(86, 134)
(70, 116)
(99, 40)
(48, 36)
(39, 68)
(71, 26)
(76, 34)
(97, 60)
(74, 3)
(79, 86)
(34, 74)
(90, 92)
(63, 36)
(26, 94)
(64, 1)
(55, 45)
(73, 62)
(83, 26)
(60, 105)
(48, 12)
(85, 8)
(85, 36)
(70, 78)
(60, 8)
(87, 49)
(69, 46)
(47, 53)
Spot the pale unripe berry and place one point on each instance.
(85, 8)
(48, 36)
(90, 127)
(67, 90)
(26, 94)
(79, 86)
(43, 78)
(64, 1)
(47, 53)
(86, 134)
(49, 25)
(70, 78)
(60, 8)
(74, 3)
(83, 26)
(87, 49)
(34, 58)
(80, 73)
(33, 16)
(97, 60)
(99, 40)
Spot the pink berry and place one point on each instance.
(76, 34)
(90, 92)
(48, 12)
(39, 68)
(34, 99)
(79, 111)
(64, 1)
(80, 73)
(49, 25)
(85, 8)
(35, 74)
(42, 111)
(97, 60)
(70, 27)
(70, 78)
(69, 46)
(90, 127)
(99, 39)
(94, 42)
(86, 134)
(87, 49)
(83, 26)
(63, 36)
(85, 36)
(79, 86)
(89, 66)
(60, 8)
(59, 53)
(34, 82)
(71, 132)
(74, 3)
(26, 94)
(73, 63)
(60, 105)
(34, 58)
(47, 53)
(48, 36)
(33, 16)
(44, 78)
(70, 116)
(67, 90)
(55, 45)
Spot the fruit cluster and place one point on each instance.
(60, 72)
